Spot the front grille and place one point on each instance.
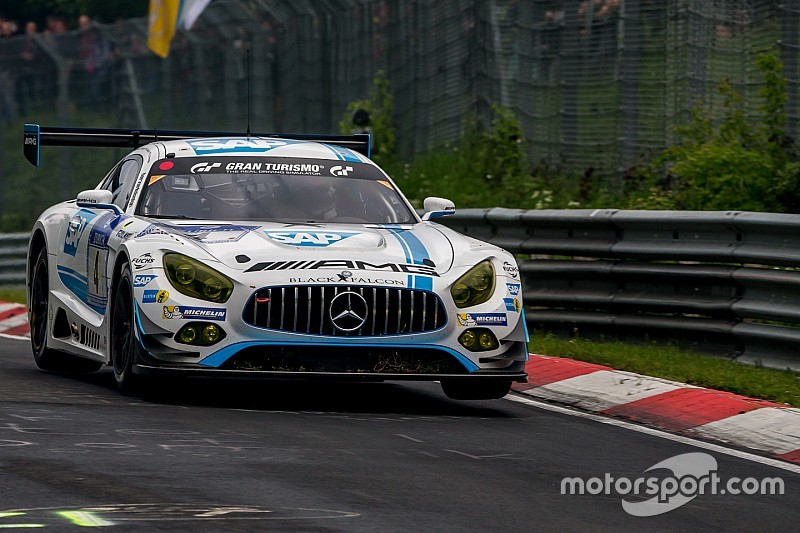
(306, 309)
(361, 360)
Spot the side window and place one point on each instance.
(122, 186)
(110, 178)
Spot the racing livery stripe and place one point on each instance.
(78, 285)
(343, 154)
(416, 254)
(219, 357)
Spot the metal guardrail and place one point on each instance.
(726, 283)
(13, 255)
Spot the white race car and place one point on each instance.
(292, 256)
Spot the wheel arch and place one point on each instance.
(35, 245)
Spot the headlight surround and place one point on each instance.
(193, 278)
(475, 287)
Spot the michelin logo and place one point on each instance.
(482, 319)
(181, 312)
(308, 238)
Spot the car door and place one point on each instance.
(84, 256)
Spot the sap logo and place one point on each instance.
(75, 230)
(141, 281)
(208, 146)
(204, 167)
(513, 288)
(308, 238)
(341, 171)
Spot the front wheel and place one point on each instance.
(466, 390)
(123, 339)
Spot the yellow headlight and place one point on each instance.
(475, 287)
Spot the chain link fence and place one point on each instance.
(597, 84)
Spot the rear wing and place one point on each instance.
(36, 136)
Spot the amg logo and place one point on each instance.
(30, 140)
(424, 270)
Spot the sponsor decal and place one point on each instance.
(308, 238)
(183, 312)
(213, 234)
(512, 304)
(345, 275)
(513, 288)
(143, 261)
(123, 235)
(406, 268)
(75, 230)
(362, 281)
(204, 167)
(152, 229)
(511, 270)
(482, 319)
(141, 281)
(241, 144)
(340, 170)
(155, 296)
(275, 168)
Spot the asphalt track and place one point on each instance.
(262, 455)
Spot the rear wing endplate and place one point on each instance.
(36, 136)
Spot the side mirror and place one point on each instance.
(437, 207)
(97, 199)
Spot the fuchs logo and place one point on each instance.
(513, 288)
(511, 270)
(181, 312)
(209, 146)
(143, 261)
(318, 239)
(341, 171)
(141, 281)
(204, 167)
(482, 319)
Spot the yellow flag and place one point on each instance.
(161, 25)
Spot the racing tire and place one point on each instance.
(38, 320)
(464, 390)
(124, 345)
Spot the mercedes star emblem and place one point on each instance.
(348, 311)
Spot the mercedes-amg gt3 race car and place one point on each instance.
(292, 256)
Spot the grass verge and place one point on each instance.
(12, 295)
(674, 363)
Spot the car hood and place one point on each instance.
(277, 246)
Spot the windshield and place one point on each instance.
(272, 189)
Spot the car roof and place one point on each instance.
(260, 146)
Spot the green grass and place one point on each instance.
(676, 364)
(12, 295)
